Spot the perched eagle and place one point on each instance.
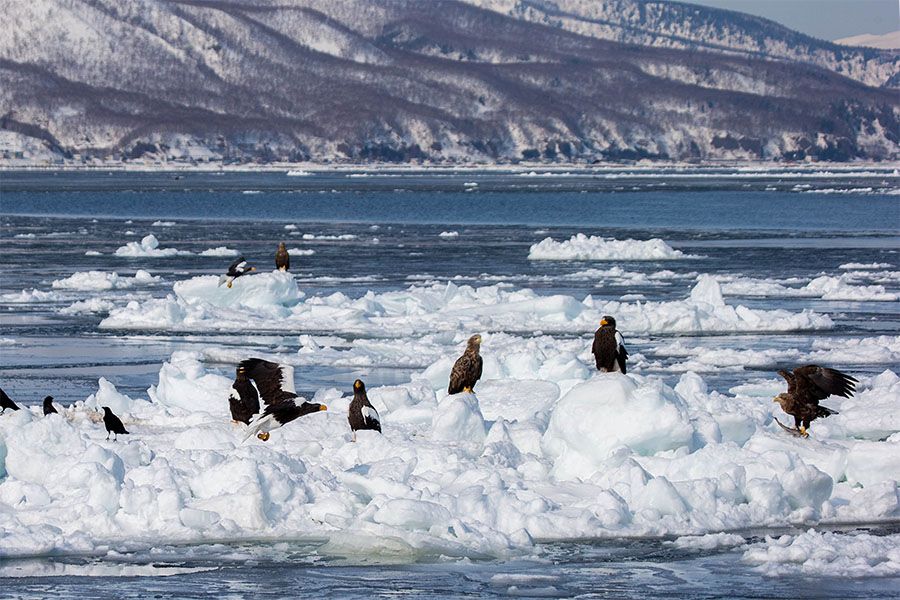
(49, 409)
(244, 398)
(467, 369)
(276, 388)
(6, 402)
(806, 386)
(609, 347)
(362, 415)
(235, 270)
(113, 424)
(282, 258)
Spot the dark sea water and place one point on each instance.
(760, 227)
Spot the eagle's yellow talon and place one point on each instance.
(803, 431)
(467, 390)
(264, 436)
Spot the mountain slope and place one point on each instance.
(397, 81)
(670, 24)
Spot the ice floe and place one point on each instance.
(582, 247)
(465, 475)
(102, 280)
(827, 554)
(219, 251)
(148, 248)
(826, 287)
(448, 234)
(199, 305)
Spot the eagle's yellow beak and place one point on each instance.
(323, 407)
(603, 322)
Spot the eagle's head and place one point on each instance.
(281, 247)
(311, 407)
(783, 400)
(474, 342)
(607, 321)
(359, 386)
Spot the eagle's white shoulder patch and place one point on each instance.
(287, 379)
(370, 413)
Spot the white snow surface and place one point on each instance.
(147, 248)
(827, 554)
(542, 449)
(219, 251)
(198, 305)
(583, 247)
(102, 281)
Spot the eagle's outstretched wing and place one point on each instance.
(275, 382)
(817, 383)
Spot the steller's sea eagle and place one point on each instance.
(236, 269)
(362, 415)
(6, 402)
(244, 398)
(275, 383)
(609, 347)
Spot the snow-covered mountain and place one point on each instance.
(402, 80)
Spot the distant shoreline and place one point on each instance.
(305, 169)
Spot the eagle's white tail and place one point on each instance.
(222, 279)
(257, 426)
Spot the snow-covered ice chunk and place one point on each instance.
(274, 290)
(219, 251)
(147, 248)
(828, 554)
(610, 411)
(447, 235)
(108, 395)
(184, 383)
(458, 418)
(102, 280)
(582, 247)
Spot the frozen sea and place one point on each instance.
(394, 270)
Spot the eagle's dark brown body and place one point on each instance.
(608, 347)
(467, 369)
(6, 402)
(49, 409)
(275, 384)
(362, 415)
(244, 399)
(282, 258)
(808, 385)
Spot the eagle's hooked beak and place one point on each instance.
(603, 322)
(322, 407)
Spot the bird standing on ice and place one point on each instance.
(806, 386)
(276, 388)
(362, 415)
(6, 402)
(113, 424)
(235, 270)
(467, 368)
(282, 258)
(49, 409)
(244, 398)
(609, 347)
